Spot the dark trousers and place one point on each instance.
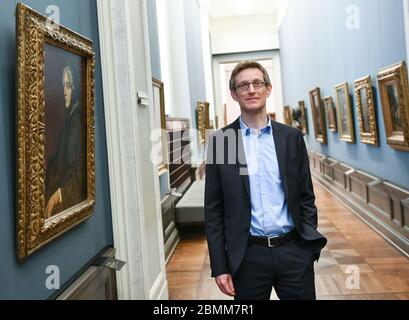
(289, 268)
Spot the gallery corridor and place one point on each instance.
(352, 246)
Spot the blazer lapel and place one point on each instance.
(241, 161)
(242, 164)
(281, 151)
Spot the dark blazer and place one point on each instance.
(67, 168)
(227, 194)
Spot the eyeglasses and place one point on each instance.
(257, 84)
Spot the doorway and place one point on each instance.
(227, 109)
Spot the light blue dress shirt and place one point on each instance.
(269, 212)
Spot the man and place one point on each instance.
(260, 216)
(65, 173)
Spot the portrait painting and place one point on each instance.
(303, 118)
(55, 130)
(288, 119)
(368, 128)
(318, 116)
(344, 113)
(65, 129)
(394, 92)
(330, 114)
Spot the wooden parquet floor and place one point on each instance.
(356, 264)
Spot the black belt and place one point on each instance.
(274, 241)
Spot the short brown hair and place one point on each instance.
(247, 64)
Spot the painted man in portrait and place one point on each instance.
(317, 106)
(343, 111)
(365, 110)
(65, 172)
(394, 107)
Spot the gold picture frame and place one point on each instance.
(201, 121)
(344, 113)
(304, 119)
(330, 114)
(393, 89)
(160, 120)
(318, 116)
(288, 117)
(207, 122)
(55, 130)
(368, 128)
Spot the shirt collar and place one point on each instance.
(267, 129)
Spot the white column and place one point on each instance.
(207, 54)
(136, 217)
(277, 86)
(174, 67)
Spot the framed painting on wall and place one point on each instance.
(201, 121)
(208, 125)
(344, 113)
(55, 130)
(288, 118)
(272, 115)
(160, 124)
(368, 128)
(393, 87)
(303, 119)
(318, 116)
(330, 112)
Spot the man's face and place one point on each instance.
(67, 90)
(252, 99)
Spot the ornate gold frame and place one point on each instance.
(396, 74)
(207, 126)
(372, 136)
(201, 121)
(344, 136)
(321, 115)
(287, 114)
(330, 112)
(157, 84)
(301, 105)
(33, 32)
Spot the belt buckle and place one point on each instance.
(270, 244)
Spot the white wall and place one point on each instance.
(174, 66)
(244, 33)
(406, 20)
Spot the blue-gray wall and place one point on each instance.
(154, 39)
(194, 55)
(71, 251)
(317, 49)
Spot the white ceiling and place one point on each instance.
(225, 8)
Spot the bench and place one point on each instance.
(190, 208)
